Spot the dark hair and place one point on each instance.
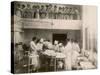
(72, 40)
(37, 6)
(24, 46)
(20, 43)
(48, 40)
(23, 6)
(16, 44)
(50, 5)
(34, 38)
(68, 39)
(18, 5)
(60, 8)
(55, 6)
(75, 41)
(42, 6)
(37, 40)
(47, 6)
(33, 6)
(28, 5)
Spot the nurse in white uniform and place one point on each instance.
(33, 55)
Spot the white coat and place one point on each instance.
(39, 46)
(75, 53)
(56, 47)
(68, 53)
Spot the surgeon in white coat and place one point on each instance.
(75, 53)
(68, 53)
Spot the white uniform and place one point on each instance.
(75, 53)
(93, 57)
(39, 46)
(33, 56)
(56, 47)
(33, 46)
(62, 49)
(68, 53)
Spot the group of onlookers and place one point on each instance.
(47, 11)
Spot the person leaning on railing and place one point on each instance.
(55, 12)
(37, 8)
(77, 14)
(18, 10)
(47, 11)
(59, 13)
(28, 13)
(66, 16)
(42, 12)
(50, 12)
(23, 11)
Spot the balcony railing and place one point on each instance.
(51, 24)
(48, 11)
(48, 15)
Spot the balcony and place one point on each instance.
(50, 24)
(55, 17)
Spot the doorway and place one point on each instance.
(59, 37)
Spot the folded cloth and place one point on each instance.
(82, 58)
(50, 53)
(86, 65)
(60, 55)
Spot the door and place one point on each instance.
(60, 37)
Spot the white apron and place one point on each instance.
(34, 57)
(68, 53)
(75, 53)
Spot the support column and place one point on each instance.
(83, 39)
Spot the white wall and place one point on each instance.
(52, 24)
(89, 21)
